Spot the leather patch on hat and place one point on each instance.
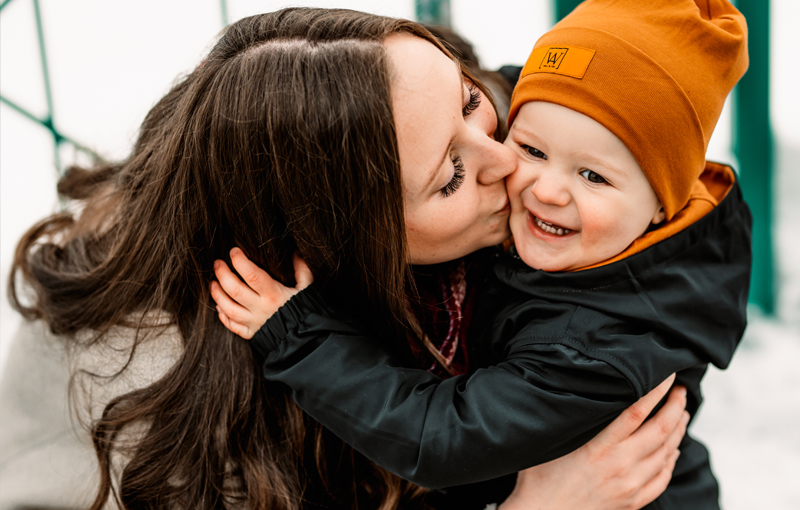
(566, 60)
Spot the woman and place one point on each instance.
(283, 139)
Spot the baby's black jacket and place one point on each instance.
(571, 351)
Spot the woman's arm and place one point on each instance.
(437, 433)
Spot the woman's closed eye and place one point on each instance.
(534, 152)
(593, 177)
(474, 100)
(458, 177)
(458, 164)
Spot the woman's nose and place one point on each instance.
(550, 189)
(498, 162)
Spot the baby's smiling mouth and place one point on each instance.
(551, 228)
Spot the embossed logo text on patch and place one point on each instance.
(553, 58)
(570, 61)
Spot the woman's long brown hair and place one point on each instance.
(281, 140)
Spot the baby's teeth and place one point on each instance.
(548, 227)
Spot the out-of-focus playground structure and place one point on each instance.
(751, 128)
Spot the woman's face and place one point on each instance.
(453, 170)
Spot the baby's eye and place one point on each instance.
(593, 177)
(533, 151)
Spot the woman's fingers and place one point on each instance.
(302, 274)
(658, 484)
(661, 455)
(661, 436)
(631, 418)
(258, 279)
(675, 438)
(662, 426)
(651, 466)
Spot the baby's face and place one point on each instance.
(578, 196)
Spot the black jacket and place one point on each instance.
(573, 350)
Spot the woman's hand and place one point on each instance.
(625, 467)
(244, 307)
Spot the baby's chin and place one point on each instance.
(551, 263)
(544, 257)
(542, 263)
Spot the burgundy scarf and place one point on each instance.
(444, 311)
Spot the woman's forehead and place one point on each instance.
(417, 66)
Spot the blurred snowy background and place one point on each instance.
(110, 61)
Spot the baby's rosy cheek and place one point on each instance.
(602, 233)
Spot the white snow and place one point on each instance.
(750, 419)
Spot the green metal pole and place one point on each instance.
(434, 12)
(48, 121)
(223, 5)
(563, 7)
(753, 148)
(49, 125)
(6, 2)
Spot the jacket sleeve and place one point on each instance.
(546, 398)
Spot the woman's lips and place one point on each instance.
(506, 209)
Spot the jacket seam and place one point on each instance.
(590, 353)
(594, 351)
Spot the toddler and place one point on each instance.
(631, 261)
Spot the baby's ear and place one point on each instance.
(659, 216)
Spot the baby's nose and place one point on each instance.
(551, 190)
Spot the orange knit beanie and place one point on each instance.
(653, 72)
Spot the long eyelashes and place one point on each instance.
(474, 100)
(458, 164)
(458, 177)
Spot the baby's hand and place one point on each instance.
(244, 307)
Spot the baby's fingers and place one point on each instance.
(302, 273)
(238, 291)
(234, 327)
(259, 280)
(227, 305)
